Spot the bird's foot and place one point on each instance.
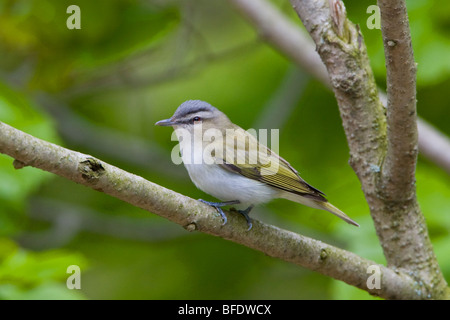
(218, 206)
(246, 216)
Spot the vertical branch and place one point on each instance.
(403, 221)
(353, 83)
(400, 224)
(400, 164)
(383, 158)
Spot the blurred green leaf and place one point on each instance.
(33, 275)
(16, 185)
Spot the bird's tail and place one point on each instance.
(318, 204)
(330, 208)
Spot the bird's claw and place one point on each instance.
(247, 217)
(218, 206)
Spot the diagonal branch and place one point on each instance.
(434, 145)
(193, 215)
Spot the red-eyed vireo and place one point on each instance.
(230, 164)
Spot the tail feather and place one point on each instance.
(323, 205)
(330, 208)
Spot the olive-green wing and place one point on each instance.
(266, 167)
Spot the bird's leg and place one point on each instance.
(218, 206)
(246, 216)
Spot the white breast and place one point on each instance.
(219, 182)
(227, 186)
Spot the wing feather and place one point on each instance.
(266, 166)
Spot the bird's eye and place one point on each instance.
(196, 119)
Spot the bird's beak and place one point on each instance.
(165, 123)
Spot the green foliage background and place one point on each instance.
(99, 90)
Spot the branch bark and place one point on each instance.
(194, 215)
(292, 41)
(400, 224)
(378, 153)
(396, 187)
(400, 163)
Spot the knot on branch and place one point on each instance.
(17, 164)
(191, 227)
(391, 43)
(347, 83)
(323, 254)
(91, 169)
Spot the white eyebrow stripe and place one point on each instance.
(201, 114)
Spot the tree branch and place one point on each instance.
(401, 219)
(400, 163)
(194, 215)
(398, 220)
(434, 145)
(284, 35)
(402, 230)
(78, 131)
(296, 45)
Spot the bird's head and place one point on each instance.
(192, 113)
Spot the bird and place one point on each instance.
(229, 163)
